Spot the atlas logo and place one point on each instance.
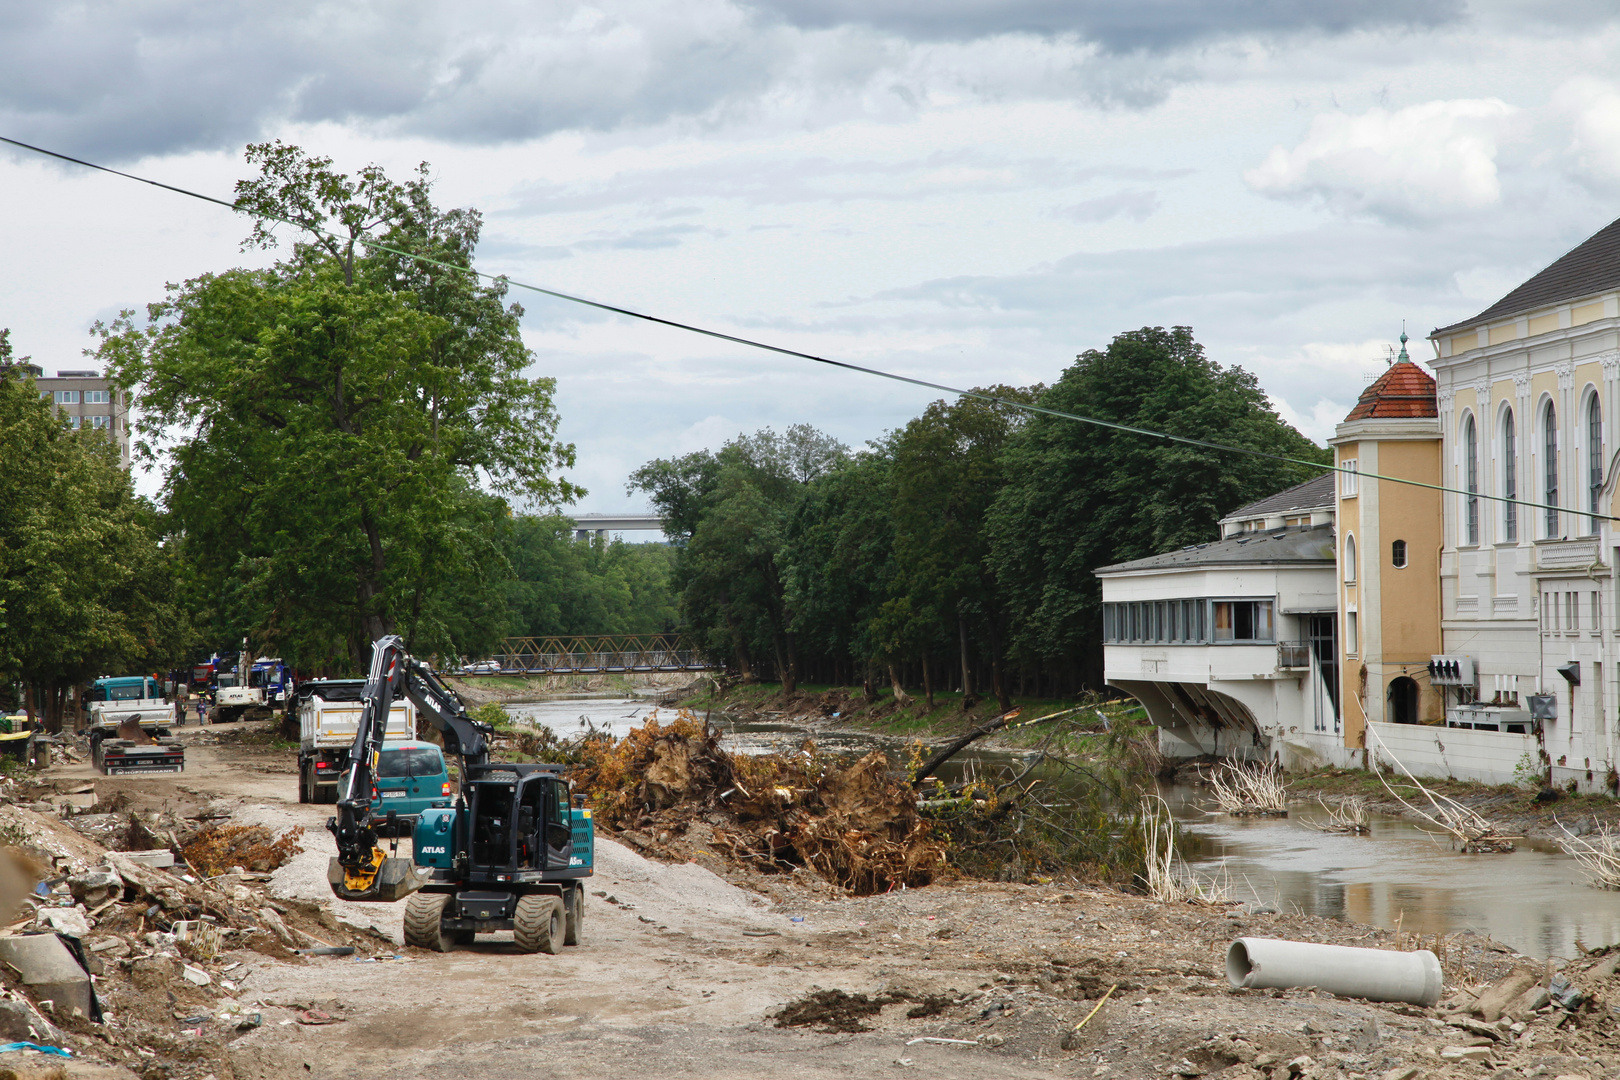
(433, 851)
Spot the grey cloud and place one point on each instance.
(802, 180)
(1137, 205)
(1117, 25)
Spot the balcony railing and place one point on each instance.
(1294, 655)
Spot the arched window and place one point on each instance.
(1549, 468)
(1349, 560)
(1397, 553)
(1594, 459)
(1470, 480)
(1510, 478)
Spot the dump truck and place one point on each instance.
(129, 727)
(328, 712)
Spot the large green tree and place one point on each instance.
(561, 585)
(1075, 496)
(947, 472)
(86, 584)
(336, 425)
(728, 513)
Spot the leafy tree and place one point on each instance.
(947, 471)
(85, 584)
(839, 554)
(564, 586)
(331, 420)
(1076, 497)
(727, 514)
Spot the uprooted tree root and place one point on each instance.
(854, 824)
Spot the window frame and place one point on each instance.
(1594, 459)
(1549, 469)
(1470, 479)
(1398, 554)
(1349, 478)
(1510, 476)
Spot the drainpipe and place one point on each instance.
(1374, 974)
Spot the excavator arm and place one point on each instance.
(361, 871)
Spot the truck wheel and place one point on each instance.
(327, 793)
(576, 916)
(541, 922)
(424, 921)
(303, 782)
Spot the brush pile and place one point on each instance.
(1250, 790)
(854, 823)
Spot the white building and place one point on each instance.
(1231, 645)
(1474, 633)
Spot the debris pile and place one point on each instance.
(118, 896)
(854, 824)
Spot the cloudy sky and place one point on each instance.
(965, 190)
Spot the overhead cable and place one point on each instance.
(780, 350)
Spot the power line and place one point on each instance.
(780, 350)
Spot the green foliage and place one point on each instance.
(728, 513)
(492, 714)
(85, 582)
(1528, 772)
(331, 422)
(1078, 497)
(964, 544)
(563, 586)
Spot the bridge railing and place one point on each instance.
(597, 654)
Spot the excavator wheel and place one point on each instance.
(424, 915)
(576, 916)
(541, 923)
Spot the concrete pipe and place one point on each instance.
(1374, 974)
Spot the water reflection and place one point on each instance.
(1534, 899)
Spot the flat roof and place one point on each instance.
(1301, 545)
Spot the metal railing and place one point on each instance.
(593, 655)
(1294, 655)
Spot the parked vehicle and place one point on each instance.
(411, 777)
(129, 727)
(328, 713)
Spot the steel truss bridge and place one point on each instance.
(594, 655)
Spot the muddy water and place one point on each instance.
(1534, 899)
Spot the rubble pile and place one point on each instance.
(116, 944)
(855, 824)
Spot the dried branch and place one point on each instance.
(1468, 829)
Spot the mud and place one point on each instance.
(687, 968)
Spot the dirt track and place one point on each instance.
(682, 973)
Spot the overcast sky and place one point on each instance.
(969, 191)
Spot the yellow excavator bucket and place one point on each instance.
(382, 880)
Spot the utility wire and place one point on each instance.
(979, 395)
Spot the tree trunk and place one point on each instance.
(928, 684)
(790, 682)
(967, 668)
(900, 696)
(868, 687)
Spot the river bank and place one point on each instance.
(1524, 812)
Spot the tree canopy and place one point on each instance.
(86, 585)
(959, 550)
(343, 428)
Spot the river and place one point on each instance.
(1535, 900)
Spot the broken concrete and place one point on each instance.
(49, 970)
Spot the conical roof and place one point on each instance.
(1403, 392)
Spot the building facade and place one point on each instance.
(1475, 631)
(86, 399)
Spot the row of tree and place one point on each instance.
(350, 446)
(958, 552)
(86, 581)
